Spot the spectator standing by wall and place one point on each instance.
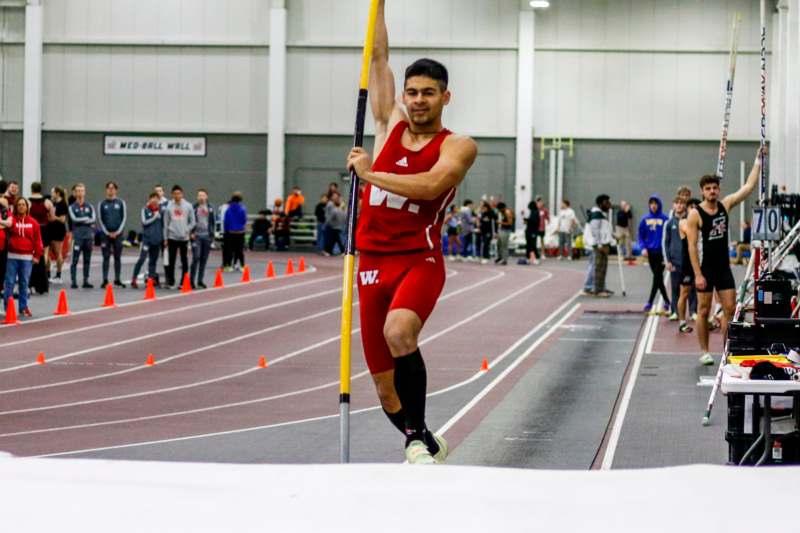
(234, 226)
(112, 215)
(179, 223)
(467, 219)
(622, 230)
(335, 222)
(152, 239)
(12, 191)
(41, 210)
(57, 232)
(651, 237)
(688, 291)
(544, 220)
(567, 222)
(601, 243)
(505, 217)
(202, 237)
(451, 223)
(488, 229)
(673, 252)
(82, 218)
(24, 248)
(319, 214)
(532, 234)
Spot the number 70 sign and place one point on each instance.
(767, 223)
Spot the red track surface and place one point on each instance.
(95, 390)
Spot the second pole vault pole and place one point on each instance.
(762, 190)
(350, 247)
(726, 117)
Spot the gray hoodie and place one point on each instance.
(178, 220)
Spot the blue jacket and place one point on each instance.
(651, 228)
(235, 217)
(152, 225)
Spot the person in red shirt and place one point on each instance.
(401, 270)
(24, 243)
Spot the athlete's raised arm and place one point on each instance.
(456, 156)
(734, 199)
(383, 99)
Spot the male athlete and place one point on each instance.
(418, 164)
(708, 225)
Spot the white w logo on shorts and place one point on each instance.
(369, 277)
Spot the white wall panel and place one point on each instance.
(643, 96)
(323, 85)
(459, 23)
(646, 24)
(175, 21)
(148, 88)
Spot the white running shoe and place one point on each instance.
(673, 317)
(484, 261)
(441, 455)
(706, 359)
(417, 453)
(694, 317)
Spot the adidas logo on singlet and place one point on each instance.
(403, 162)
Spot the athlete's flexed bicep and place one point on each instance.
(386, 110)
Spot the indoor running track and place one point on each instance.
(96, 397)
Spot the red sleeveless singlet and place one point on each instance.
(390, 223)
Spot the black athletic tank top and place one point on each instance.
(714, 249)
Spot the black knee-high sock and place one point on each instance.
(410, 382)
(397, 419)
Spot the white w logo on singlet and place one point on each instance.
(369, 277)
(378, 196)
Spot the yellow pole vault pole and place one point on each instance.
(349, 254)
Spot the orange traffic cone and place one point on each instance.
(150, 290)
(109, 300)
(485, 365)
(186, 287)
(40, 358)
(218, 283)
(270, 270)
(262, 362)
(150, 361)
(301, 267)
(289, 267)
(246, 274)
(62, 309)
(11, 313)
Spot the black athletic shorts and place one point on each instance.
(718, 277)
(687, 275)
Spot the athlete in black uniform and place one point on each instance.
(710, 261)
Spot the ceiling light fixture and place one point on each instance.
(540, 4)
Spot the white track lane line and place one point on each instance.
(492, 384)
(222, 343)
(168, 312)
(235, 374)
(619, 419)
(177, 329)
(284, 357)
(309, 270)
(301, 421)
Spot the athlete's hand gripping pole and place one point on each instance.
(349, 253)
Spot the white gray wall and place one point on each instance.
(144, 65)
(645, 69)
